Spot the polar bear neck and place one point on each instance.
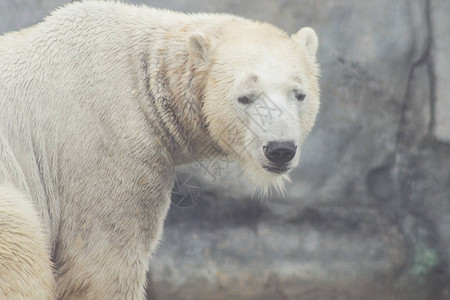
(174, 89)
(175, 113)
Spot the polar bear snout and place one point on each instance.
(280, 152)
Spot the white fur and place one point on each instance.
(306, 37)
(25, 267)
(100, 102)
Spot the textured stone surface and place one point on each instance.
(367, 215)
(17, 14)
(441, 59)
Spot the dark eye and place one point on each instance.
(299, 96)
(244, 100)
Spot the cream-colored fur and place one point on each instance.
(25, 268)
(99, 103)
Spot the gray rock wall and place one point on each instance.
(367, 215)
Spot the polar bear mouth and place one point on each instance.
(277, 170)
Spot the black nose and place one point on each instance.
(280, 152)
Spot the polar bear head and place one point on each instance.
(261, 95)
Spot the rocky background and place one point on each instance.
(367, 215)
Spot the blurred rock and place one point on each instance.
(367, 215)
(17, 14)
(441, 62)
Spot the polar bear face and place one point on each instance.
(261, 96)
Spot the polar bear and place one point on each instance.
(101, 101)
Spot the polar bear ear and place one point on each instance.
(307, 38)
(199, 45)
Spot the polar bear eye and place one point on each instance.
(244, 100)
(299, 95)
